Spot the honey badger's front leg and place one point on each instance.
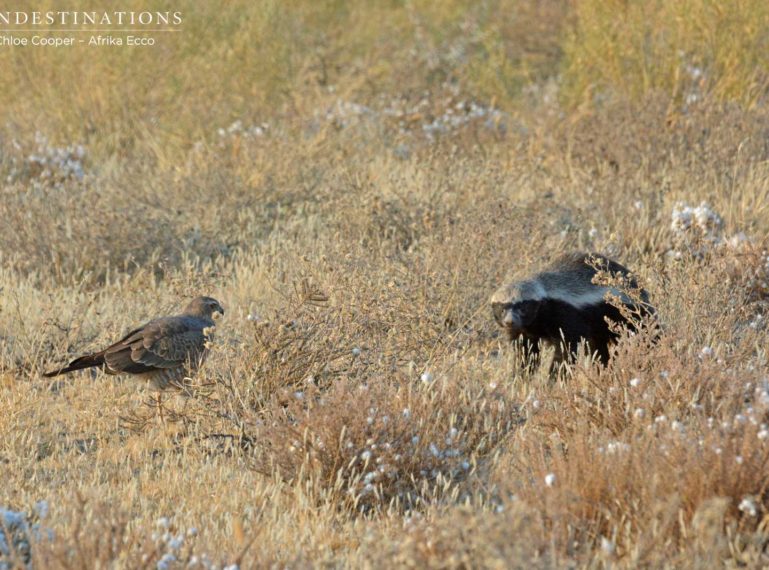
(531, 353)
(565, 353)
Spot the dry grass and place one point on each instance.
(689, 50)
(352, 188)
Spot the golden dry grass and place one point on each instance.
(353, 187)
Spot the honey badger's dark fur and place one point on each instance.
(561, 307)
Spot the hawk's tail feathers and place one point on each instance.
(88, 361)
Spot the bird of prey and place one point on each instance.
(163, 351)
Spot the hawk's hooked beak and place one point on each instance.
(219, 312)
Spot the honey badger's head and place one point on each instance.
(515, 318)
(515, 306)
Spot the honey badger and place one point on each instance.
(561, 306)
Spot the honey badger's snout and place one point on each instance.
(503, 313)
(515, 317)
(508, 318)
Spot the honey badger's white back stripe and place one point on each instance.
(572, 292)
(594, 297)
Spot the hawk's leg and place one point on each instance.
(159, 400)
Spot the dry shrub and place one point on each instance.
(512, 533)
(385, 443)
(746, 266)
(328, 398)
(724, 286)
(302, 346)
(619, 486)
(623, 136)
(97, 236)
(99, 536)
